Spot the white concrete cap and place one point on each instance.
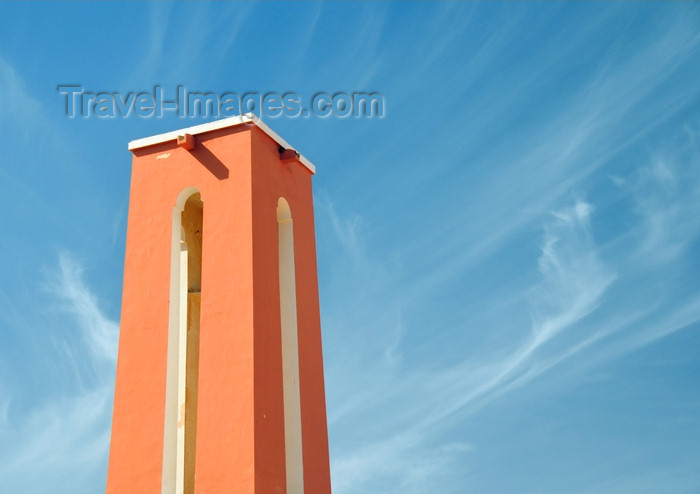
(248, 118)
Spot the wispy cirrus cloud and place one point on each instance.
(591, 303)
(573, 281)
(201, 33)
(64, 436)
(667, 198)
(19, 108)
(97, 331)
(509, 182)
(583, 309)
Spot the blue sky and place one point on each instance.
(508, 260)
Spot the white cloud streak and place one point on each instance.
(98, 332)
(166, 57)
(65, 438)
(575, 282)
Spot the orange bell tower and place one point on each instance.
(219, 385)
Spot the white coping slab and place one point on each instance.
(248, 118)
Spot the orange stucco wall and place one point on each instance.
(271, 180)
(240, 425)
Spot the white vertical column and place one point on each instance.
(290, 352)
(170, 436)
(181, 373)
(175, 387)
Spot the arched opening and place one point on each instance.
(183, 345)
(290, 350)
